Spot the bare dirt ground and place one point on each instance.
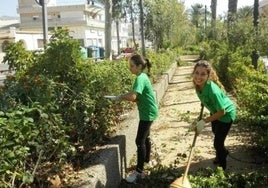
(172, 139)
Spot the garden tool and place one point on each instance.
(183, 181)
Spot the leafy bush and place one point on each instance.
(53, 110)
(30, 136)
(163, 176)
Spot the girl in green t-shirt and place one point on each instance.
(142, 93)
(222, 109)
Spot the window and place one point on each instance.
(35, 17)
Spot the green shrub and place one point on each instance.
(29, 137)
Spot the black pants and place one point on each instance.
(220, 130)
(143, 144)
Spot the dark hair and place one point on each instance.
(212, 74)
(139, 60)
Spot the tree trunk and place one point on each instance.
(232, 10)
(213, 17)
(142, 28)
(256, 14)
(133, 26)
(118, 36)
(108, 28)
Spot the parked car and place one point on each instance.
(127, 52)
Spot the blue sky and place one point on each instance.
(9, 7)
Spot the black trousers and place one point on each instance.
(143, 144)
(220, 130)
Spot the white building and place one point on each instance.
(85, 22)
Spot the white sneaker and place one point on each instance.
(134, 176)
(151, 164)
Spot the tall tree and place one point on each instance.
(244, 12)
(142, 27)
(197, 13)
(213, 16)
(133, 25)
(165, 23)
(131, 10)
(108, 28)
(232, 10)
(256, 14)
(117, 15)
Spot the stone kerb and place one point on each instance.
(108, 168)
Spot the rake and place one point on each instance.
(183, 182)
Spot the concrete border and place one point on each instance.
(108, 168)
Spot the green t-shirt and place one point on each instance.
(147, 105)
(214, 99)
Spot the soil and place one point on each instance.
(172, 139)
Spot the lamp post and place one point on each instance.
(43, 3)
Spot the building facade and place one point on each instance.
(86, 22)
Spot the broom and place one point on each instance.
(183, 181)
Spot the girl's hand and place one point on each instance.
(200, 126)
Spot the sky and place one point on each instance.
(9, 7)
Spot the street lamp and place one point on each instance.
(43, 3)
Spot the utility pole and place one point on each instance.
(43, 3)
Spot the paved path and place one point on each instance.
(172, 139)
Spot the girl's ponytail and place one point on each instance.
(148, 65)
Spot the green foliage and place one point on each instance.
(161, 62)
(30, 88)
(60, 59)
(241, 33)
(29, 136)
(197, 14)
(53, 110)
(18, 58)
(209, 178)
(165, 24)
(163, 176)
(251, 89)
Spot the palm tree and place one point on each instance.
(213, 16)
(117, 15)
(244, 12)
(197, 12)
(108, 27)
(213, 7)
(132, 18)
(256, 14)
(142, 28)
(232, 10)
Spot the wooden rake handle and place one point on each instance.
(193, 145)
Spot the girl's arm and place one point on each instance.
(130, 96)
(215, 116)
